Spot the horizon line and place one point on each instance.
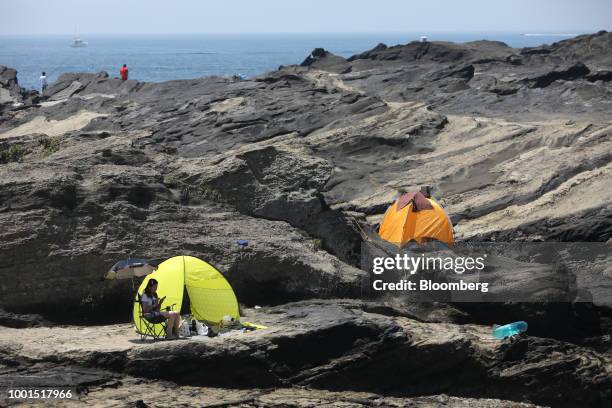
(565, 32)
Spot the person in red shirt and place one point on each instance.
(124, 72)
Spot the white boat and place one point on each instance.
(78, 43)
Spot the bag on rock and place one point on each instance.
(201, 329)
(184, 329)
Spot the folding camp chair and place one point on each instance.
(147, 328)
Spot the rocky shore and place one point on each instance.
(517, 144)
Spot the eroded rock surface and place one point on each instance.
(333, 346)
(516, 144)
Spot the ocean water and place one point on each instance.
(162, 58)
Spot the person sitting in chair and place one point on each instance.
(151, 309)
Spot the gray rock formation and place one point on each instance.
(342, 346)
(10, 91)
(515, 142)
(12, 96)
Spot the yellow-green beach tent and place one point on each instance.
(210, 295)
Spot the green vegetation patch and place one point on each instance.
(49, 145)
(13, 153)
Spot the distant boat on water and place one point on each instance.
(77, 42)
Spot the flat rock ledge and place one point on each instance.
(334, 346)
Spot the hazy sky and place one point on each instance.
(265, 16)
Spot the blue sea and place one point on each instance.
(161, 58)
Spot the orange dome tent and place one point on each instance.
(414, 217)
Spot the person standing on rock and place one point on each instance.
(43, 82)
(124, 72)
